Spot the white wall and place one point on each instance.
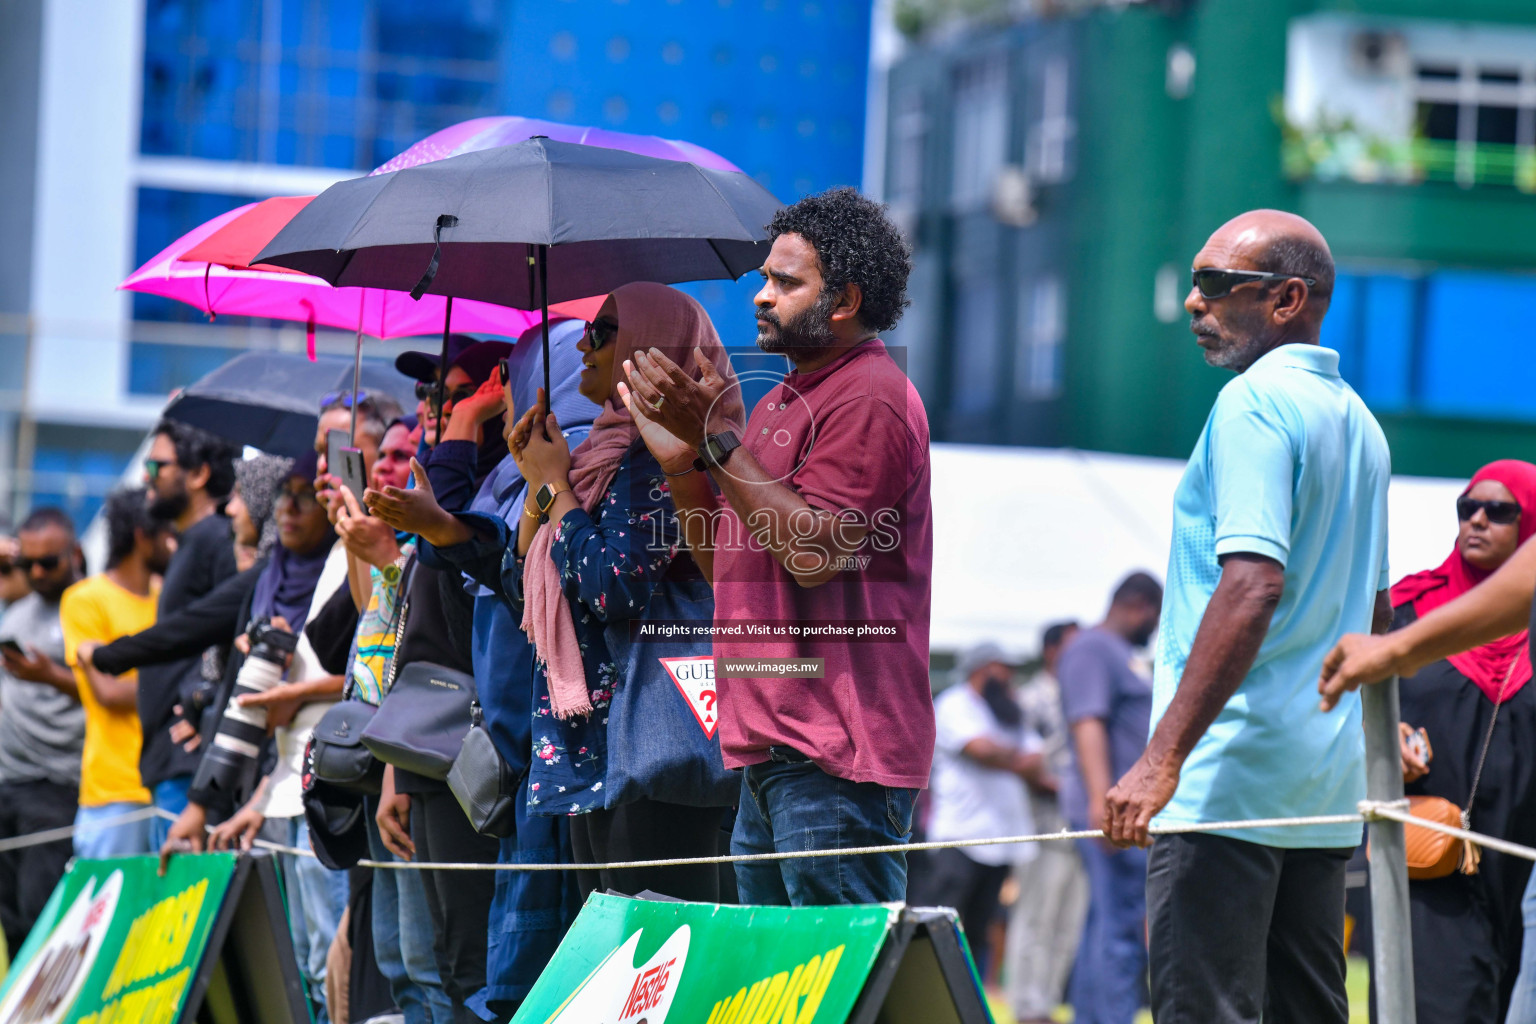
(88, 133)
(1024, 537)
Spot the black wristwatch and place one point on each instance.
(716, 450)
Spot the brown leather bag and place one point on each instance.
(1434, 854)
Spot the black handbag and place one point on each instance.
(483, 783)
(421, 724)
(339, 756)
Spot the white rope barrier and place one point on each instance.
(857, 851)
(1369, 810)
(1396, 811)
(53, 835)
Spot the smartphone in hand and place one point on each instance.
(345, 463)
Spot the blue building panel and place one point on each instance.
(775, 86)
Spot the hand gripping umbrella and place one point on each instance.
(531, 223)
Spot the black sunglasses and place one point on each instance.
(1501, 512)
(427, 392)
(600, 333)
(47, 563)
(1216, 284)
(152, 468)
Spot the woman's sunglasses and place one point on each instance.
(600, 333)
(1216, 284)
(1501, 512)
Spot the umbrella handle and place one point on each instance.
(446, 220)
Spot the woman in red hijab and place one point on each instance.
(1467, 928)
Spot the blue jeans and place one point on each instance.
(1522, 1003)
(402, 937)
(126, 840)
(1109, 978)
(169, 796)
(797, 806)
(317, 897)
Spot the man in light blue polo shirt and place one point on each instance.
(1279, 548)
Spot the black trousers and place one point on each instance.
(459, 901)
(28, 875)
(649, 830)
(1458, 972)
(949, 878)
(1240, 931)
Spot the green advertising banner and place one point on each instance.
(117, 943)
(628, 961)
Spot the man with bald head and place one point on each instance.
(1279, 548)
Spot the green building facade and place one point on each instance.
(1058, 174)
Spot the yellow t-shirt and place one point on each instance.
(100, 611)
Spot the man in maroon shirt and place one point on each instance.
(820, 554)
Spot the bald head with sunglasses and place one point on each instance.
(1262, 280)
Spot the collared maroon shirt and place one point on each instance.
(850, 438)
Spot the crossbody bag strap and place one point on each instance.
(1477, 776)
(405, 610)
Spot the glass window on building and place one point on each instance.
(1405, 101)
(974, 342)
(1037, 362)
(323, 83)
(1404, 342)
(980, 130)
(75, 468)
(909, 147)
(1050, 140)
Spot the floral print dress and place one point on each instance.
(610, 561)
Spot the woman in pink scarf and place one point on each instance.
(608, 538)
(1478, 713)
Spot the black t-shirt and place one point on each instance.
(437, 629)
(205, 557)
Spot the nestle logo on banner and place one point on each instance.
(648, 990)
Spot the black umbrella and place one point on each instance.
(271, 400)
(529, 224)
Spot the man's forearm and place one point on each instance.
(62, 678)
(1226, 644)
(110, 691)
(801, 538)
(1495, 608)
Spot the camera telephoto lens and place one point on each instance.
(231, 762)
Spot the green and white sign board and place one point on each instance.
(631, 961)
(118, 943)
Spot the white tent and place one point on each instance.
(1024, 537)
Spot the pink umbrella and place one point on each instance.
(281, 295)
(278, 294)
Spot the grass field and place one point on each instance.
(1358, 983)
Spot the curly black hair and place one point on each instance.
(196, 447)
(856, 243)
(126, 513)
